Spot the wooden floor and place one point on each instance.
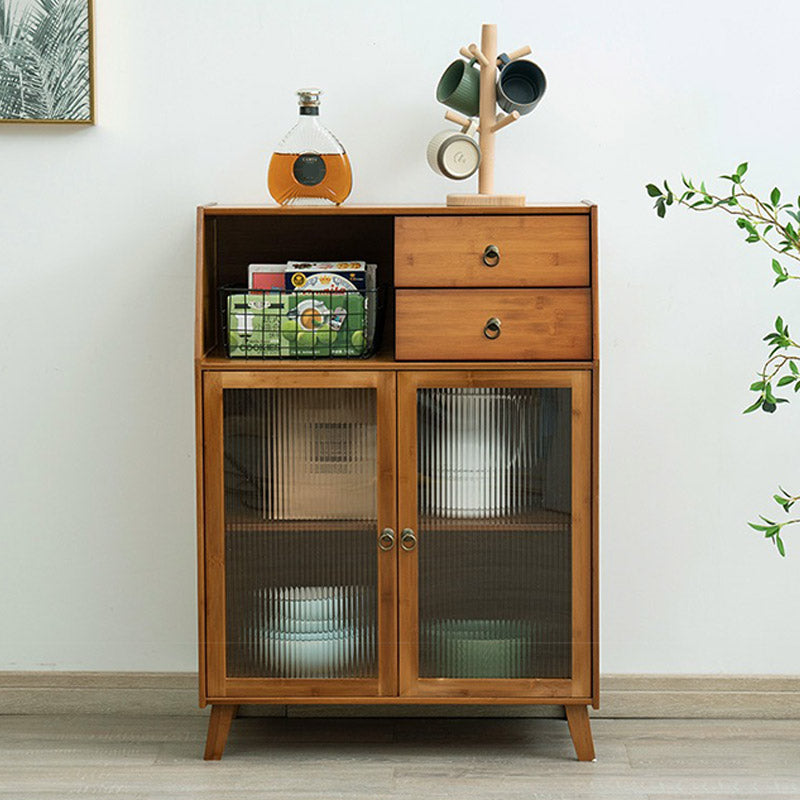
(160, 757)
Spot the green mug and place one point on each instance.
(459, 87)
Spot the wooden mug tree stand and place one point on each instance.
(489, 122)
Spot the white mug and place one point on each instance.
(455, 154)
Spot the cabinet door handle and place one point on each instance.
(491, 330)
(491, 255)
(386, 539)
(408, 540)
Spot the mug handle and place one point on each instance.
(504, 60)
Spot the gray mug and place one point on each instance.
(520, 85)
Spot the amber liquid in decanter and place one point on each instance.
(309, 165)
(329, 177)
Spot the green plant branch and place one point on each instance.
(776, 225)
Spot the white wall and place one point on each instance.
(97, 567)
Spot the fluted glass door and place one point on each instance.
(301, 514)
(500, 510)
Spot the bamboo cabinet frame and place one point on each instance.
(557, 240)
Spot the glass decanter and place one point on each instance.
(310, 164)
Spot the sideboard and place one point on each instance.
(419, 526)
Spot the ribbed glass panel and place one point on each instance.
(300, 523)
(495, 591)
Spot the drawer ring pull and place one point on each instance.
(491, 330)
(408, 540)
(386, 539)
(491, 255)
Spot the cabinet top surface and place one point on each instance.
(213, 209)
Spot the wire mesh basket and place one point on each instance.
(274, 323)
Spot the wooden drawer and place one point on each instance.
(550, 250)
(535, 324)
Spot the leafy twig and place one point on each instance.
(777, 226)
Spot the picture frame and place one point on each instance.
(47, 78)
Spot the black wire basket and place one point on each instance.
(275, 323)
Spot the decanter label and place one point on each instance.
(309, 169)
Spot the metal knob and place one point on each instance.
(408, 540)
(491, 330)
(491, 255)
(386, 539)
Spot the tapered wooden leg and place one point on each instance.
(580, 731)
(219, 724)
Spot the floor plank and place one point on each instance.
(155, 758)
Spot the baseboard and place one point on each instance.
(634, 696)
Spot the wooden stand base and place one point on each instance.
(219, 725)
(581, 732)
(486, 199)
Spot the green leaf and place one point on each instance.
(653, 190)
(757, 527)
(779, 324)
(661, 209)
(779, 542)
(741, 169)
(793, 368)
(786, 380)
(757, 386)
(753, 407)
(776, 267)
(775, 196)
(779, 500)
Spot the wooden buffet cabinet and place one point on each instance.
(418, 526)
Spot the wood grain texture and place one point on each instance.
(487, 108)
(534, 251)
(354, 209)
(201, 526)
(581, 732)
(595, 536)
(383, 360)
(387, 518)
(219, 725)
(408, 572)
(492, 200)
(155, 758)
(583, 659)
(595, 278)
(213, 596)
(449, 324)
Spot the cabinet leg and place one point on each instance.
(219, 724)
(580, 731)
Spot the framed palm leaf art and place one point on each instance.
(46, 61)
